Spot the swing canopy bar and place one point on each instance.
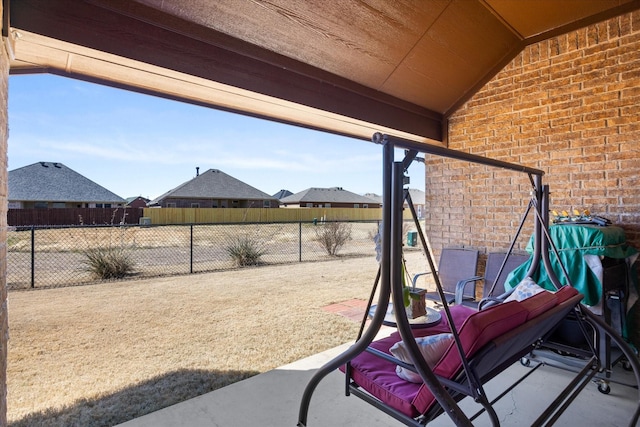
(436, 150)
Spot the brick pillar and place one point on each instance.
(4, 325)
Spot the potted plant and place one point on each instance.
(413, 297)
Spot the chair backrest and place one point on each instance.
(457, 264)
(494, 261)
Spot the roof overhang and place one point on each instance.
(350, 67)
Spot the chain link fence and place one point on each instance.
(50, 257)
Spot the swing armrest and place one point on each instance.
(487, 302)
(462, 284)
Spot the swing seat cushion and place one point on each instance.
(476, 329)
(379, 377)
(475, 332)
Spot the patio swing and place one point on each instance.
(480, 344)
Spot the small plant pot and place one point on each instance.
(417, 303)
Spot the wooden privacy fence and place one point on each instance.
(161, 216)
(73, 216)
(165, 216)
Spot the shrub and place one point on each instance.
(333, 235)
(108, 262)
(245, 251)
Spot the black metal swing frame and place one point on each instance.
(448, 392)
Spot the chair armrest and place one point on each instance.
(415, 278)
(462, 284)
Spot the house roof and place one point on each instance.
(352, 67)
(374, 196)
(282, 194)
(214, 184)
(54, 182)
(131, 199)
(418, 196)
(326, 195)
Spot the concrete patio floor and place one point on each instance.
(273, 399)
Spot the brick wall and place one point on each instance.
(568, 106)
(4, 328)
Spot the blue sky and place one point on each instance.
(140, 145)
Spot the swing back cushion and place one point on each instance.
(476, 329)
(432, 347)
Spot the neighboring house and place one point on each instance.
(374, 196)
(282, 194)
(137, 202)
(45, 185)
(334, 197)
(215, 189)
(418, 199)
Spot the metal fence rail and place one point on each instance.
(49, 257)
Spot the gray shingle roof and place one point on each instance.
(374, 196)
(54, 182)
(326, 195)
(417, 196)
(214, 184)
(131, 199)
(282, 194)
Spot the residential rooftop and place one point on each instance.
(55, 182)
(214, 184)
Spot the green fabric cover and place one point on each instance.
(573, 242)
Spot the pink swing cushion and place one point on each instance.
(476, 328)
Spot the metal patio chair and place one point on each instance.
(492, 283)
(457, 266)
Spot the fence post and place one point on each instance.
(191, 250)
(33, 256)
(300, 241)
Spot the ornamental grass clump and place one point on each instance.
(332, 236)
(245, 251)
(108, 262)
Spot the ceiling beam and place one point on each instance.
(40, 54)
(216, 57)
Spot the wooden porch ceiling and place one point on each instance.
(351, 67)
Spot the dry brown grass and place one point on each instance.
(101, 354)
